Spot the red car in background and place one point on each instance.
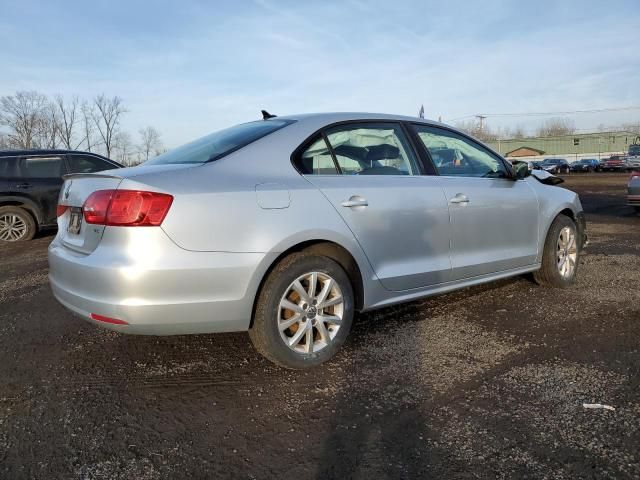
(615, 163)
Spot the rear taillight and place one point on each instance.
(60, 209)
(126, 208)
(96, 206)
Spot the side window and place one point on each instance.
(316, 160)
(8, 167)
(455, 155)
(42, 167)
(372, 149)
(87, 164)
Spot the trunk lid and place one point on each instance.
(75, 191)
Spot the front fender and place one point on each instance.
(550, 210)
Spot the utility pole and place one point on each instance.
(481, 118)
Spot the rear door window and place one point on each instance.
(8, 167)
(42, 167)
(87, 164)
(372, 149)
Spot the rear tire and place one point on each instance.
(560, 256)
(16, 224)
(303, 333)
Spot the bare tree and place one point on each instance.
(555, 127)
(48, 131)
(87, 111)
(631, 127)
(23, 114)
(123, 148)
(4, 141)
(518, 132)
(106, 117)
(67, 120)
(475, 129)
(150, 142)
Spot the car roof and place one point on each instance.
(51, 151)
(334, 117)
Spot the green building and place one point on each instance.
(576, 144)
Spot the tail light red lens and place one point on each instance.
(60, 209)
(96, 206)
(127, 208)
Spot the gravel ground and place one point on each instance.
(488, 382)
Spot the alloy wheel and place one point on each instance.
(310, 312)
(567, 252)
(12, 227)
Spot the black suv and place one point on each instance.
(30, 181)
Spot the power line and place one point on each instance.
(539, 114)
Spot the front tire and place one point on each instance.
(560, 256)
(16, 224)
(304, 311)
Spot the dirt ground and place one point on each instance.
(488, 382)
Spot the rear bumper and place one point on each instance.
(141, 277)
(633, 200)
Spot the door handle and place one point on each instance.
(23, 185)
(459, 198)
(355, 201)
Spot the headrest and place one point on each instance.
(380, 152)
(350, 151)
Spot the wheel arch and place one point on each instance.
(567, 210)
(326, 248)
(26, 204)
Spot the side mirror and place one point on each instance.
(520, 170)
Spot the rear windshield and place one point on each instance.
(220, 143)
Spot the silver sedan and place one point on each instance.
(288, 226)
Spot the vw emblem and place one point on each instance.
(66, 190)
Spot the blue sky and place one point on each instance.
(192, 67)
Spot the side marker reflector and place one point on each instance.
(102, 318)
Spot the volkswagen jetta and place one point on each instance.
(287, 226)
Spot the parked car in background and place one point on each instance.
(586, 165)
(536, 164)
(531, 164)
(614, 163)
(633, 158)
(556, 165)
(30, 181)
(633, 191)
(287, 226)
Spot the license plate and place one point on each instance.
(75, 221)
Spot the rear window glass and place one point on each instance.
(220, 143)
(42, 167)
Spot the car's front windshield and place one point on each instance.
(220, 143)
(551, 161)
